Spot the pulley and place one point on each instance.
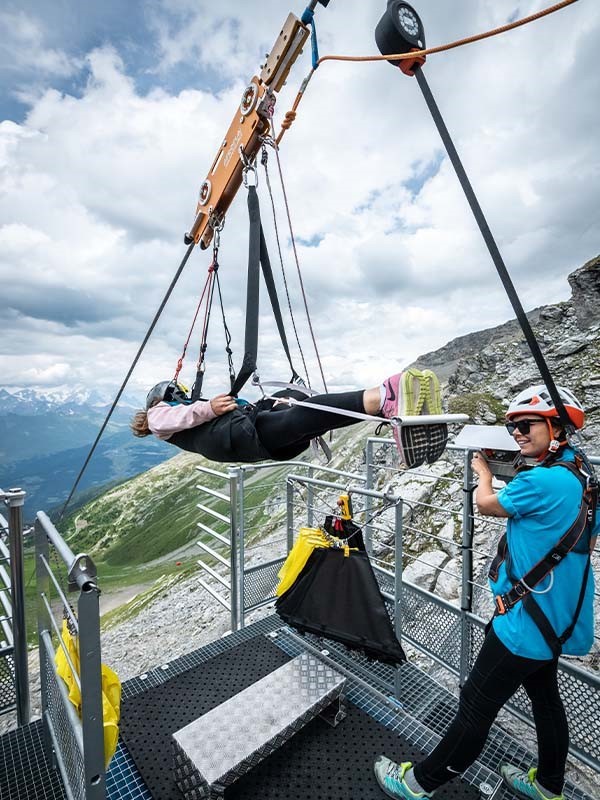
(400, 30)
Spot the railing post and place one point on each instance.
(398, 598)
(368, 529)
(88, 614)
(42, 582)
(290, 514)
(310, 499)
(234, 530)
(15, 499)
(241, 552)
(466, 600)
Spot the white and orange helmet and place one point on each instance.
(537, 400)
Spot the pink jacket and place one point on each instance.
(165, 420)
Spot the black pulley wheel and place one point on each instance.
(400, 30)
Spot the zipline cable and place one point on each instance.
(413, 54)
(165, 299)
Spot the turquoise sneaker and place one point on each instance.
(523, 784)
(390, 777)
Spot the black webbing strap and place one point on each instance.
(554, 642)
(257, 257)
(499, 558)
(522, 588)
(252, 295)
(493, 250)
(271, 288)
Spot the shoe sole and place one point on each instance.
(413, 445)
(411, 402)
(433, 403)
(437, 439)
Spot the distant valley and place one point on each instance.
(45, 438)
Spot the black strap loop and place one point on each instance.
(258, 257)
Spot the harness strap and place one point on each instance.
(271, 288)
(545, 565)
(553, 556)
(257, 257)
(499, 558)
(522, 589)
(554, 642)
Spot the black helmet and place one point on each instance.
(169, 391)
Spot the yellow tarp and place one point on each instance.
(111, 691)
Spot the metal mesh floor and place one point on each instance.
(319, 762)
(26, 775)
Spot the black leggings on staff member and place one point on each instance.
(495, 677)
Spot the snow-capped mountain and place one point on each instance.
(45, 435)
(60, 399)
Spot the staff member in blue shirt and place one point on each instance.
(541, 505)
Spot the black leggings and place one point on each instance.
(495, 677)
(286, 431)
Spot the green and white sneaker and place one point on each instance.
(431, 392)
(524, 784)
(390, 777)
(413, 392)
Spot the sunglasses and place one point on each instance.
(523, 425)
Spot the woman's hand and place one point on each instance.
(480, 466)
(223, 404)
(485, 497)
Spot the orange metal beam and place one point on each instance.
(250, 124)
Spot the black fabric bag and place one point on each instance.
(337, 596)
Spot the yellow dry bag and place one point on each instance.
(111, 690)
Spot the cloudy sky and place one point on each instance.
(111, 116)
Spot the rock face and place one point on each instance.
(483, 370)
(585, 285)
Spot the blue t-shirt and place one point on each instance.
(542, 503)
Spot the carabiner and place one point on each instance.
(249, 166)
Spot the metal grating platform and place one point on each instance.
(319, 762)
(26, 775)
(25, 772)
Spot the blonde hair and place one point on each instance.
(139, 424)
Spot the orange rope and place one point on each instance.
(414, 54)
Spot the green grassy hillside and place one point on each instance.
(146, 517)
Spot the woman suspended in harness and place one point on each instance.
(221, 429)
(544, 596)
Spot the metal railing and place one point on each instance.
(73, 744)
(14, 673)
(233, 503)
(398, 529)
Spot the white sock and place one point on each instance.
(412, 783)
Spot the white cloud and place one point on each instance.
(96, 191)
(22, 47)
